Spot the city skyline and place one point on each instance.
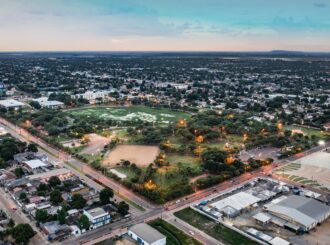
(164, 25)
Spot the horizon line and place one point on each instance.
(160, 51)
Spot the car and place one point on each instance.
(178, 201)
(191, 233)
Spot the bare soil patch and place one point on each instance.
(141, 155)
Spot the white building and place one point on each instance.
(144, 234)
(10, 103)
(94, 96)
(232, 205)
(35, 163)
(97, 217)
(51, 104)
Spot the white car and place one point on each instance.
(191, 233)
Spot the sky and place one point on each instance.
(164, 25)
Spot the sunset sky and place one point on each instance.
(188, 25)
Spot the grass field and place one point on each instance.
(183, 160)
(207, 225)
(173, 235)
(134, 113)
(310, 131)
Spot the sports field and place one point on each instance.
(312, 170)
(129, 114)
(141, 155)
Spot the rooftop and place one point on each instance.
(11, 103)
(146, 232)
(95, 212)
(303, 210)
(36, 163)
(48, 174)
(237, 201)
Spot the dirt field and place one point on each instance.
(96, 144)
(141, 155)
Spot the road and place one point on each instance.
(191, 230)
(74, 163)
(14, 212)
(151, 211)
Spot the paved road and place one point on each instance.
(151, 211)
(8, 205)
(108, 229)
(75, 163)
(191, 230)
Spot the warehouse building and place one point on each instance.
(144, 234)
(234, 204)
(10, 103)
(298, 213)
(50, 104)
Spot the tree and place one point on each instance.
(56, 197)
(105, 196)
(22, 196)
(54, 181)
(84, 222)
(41, 215)
(11, 223)
(35, 104)
(43, 187)
(61, 215)
(214, 161)
(77, 202)
(123, 208)
(19, 172)
(22, 233)
(32, 147)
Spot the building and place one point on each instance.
(278, 241)
(231, 206)
(144, 234)
(97, 217)
(51, 104)
(61, 173)
(35, 163)
(262, 218)
(55, 231)
(2, 88)
(299, 213)
(10, 103)
(94, 96)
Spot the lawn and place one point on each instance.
(126, 170)
(135, 113)
(183, 161)
(234, 141)
(92, 157)
(207, 225)
(173, 235)
(309, 131)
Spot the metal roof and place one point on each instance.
(303, 210)
(147, 233)
(11, 103)
(237, 201)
